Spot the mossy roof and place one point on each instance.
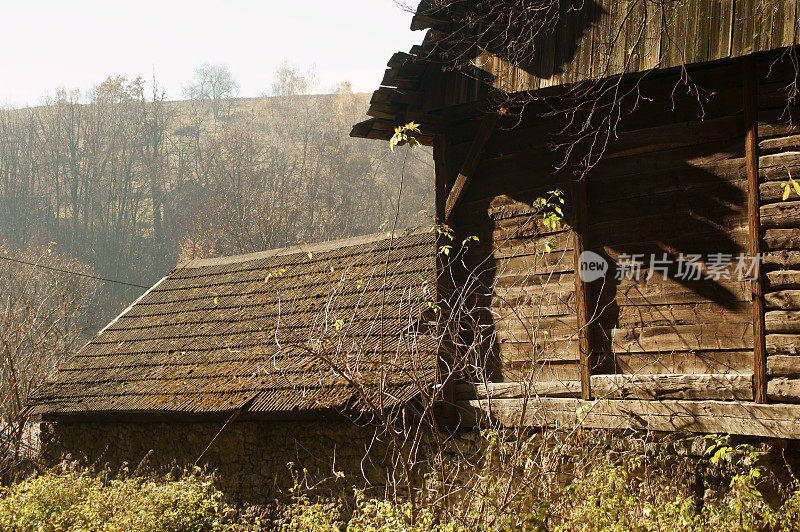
(325, 326)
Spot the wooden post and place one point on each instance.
(750, 109)
(579, 226)
(471, 162)
(445, 410)
(442, 179)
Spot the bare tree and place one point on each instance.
(42, 315)
(214, 86)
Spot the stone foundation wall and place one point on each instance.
(250, 458)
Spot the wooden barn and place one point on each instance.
(671, 128)
(248, 363)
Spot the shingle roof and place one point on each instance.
(586, 40)
(277, 331)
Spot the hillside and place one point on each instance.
(129, 183)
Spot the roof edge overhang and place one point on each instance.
(164, 416)
(319, 247)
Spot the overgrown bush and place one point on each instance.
(87, 502)
(601, 483)
(604, 492)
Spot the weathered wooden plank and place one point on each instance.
(775, 239)
(789, 34)
(534, 371)
(550, 245)
(721, 42)
(771, 192)
(602, 41)
(776, 421)
(754, 221)
(784, 214)
(511, 390)
(790, 142)
(545, 331)
(669, 291)
(531, 300)
(530, 304)
(778, 122)
(783, 299)
(683, 314)
(683, 338)
(652, 36)
(470, 163)
(784, 260)
(722, 387)
(783, 390)
(692, 362)
(783, 366)
(783, 344)
(723, 197)
(662, 227)
(530, 264)
(783, 321)
(539, 349)
(725, 180)
(777, 166)
(779, 279)
(582, 311)
(558, 282)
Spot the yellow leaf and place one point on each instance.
(796, 186)
(786, 191)
(310, 255)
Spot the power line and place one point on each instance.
(71, 272)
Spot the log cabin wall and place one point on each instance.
(673, 182)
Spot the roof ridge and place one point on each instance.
(317, 247)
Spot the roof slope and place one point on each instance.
(588, 39)
(277, 331)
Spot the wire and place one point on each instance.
(71, 272)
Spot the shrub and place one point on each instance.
(606, 492)
(85, 502)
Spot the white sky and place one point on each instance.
(48, 44)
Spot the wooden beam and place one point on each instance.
(579, 230)
(441, 175)
(784, 390)
(509, 390)
(704, 386)
(697, 387)
(445, 410)
(749, 419)
(471, 162)
(783, 366)
(750, 108)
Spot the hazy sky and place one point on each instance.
(47, 44)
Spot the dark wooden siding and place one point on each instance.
(600, 38)
(674, 181)
(591, 40)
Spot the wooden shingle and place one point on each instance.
(326, 326)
